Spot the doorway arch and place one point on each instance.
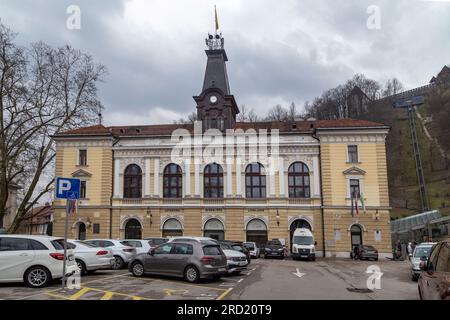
(296, 224)
(356, 235)
(133, 229)
(81, 234)
(214, 229)
(256, 231)
(172, 228)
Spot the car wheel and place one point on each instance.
(81, 265)
(118, 263)
(191, 274)
(414, 277)
(37, 277)
(137, 269)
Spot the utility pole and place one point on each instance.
(410, 104)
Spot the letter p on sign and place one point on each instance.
(67, 188)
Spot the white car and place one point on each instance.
(253, 249)
(35, 260)
(141, 246)
(90, 258)
(122, 253)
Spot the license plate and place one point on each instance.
(304, 256)
(370, 251)
(242, 263)
(222, 269)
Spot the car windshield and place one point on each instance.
(249, 246)
(238, 248)
(303, 240)
(274, 243)
(135, 244)
(422, 251)
(226, 246)
(212, 250)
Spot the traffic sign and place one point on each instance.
(67, 188)
(409, 102)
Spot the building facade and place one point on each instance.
(229, 180)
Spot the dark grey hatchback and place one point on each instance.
(190, 260)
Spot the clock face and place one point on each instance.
(213, 99)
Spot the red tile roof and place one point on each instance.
(167, 129)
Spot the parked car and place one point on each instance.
(365, 252)
(434, 281)
(253, 249)
(122, 253)
(237, 246)
(154, 242)
(90, 258)
(421, 250)
(35, 260)
(141, 246)
(274, 248)
(190, 259)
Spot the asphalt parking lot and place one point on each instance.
(335, 279)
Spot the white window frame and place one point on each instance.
(78, 156)
(358, 160)
(361, 184)
(87, 188)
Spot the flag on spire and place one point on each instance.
(217, 19)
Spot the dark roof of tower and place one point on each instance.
(216, 71)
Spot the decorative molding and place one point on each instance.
(248, 218)
(357, 223)
(354, 171)
(125, 218)
(179, 218)
(80, 173)
(206, 218)
(309, 219)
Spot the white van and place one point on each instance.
(303, 244)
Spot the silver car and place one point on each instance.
(189, 259)
(421, 250)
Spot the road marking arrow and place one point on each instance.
(298, 273)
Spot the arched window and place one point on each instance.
(132, 186)
(173, 181)
(213, 181)
(298, 179)
(255, 181)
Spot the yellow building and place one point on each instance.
(230, 180)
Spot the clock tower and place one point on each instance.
(216, 106)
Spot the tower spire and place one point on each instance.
(216, 19)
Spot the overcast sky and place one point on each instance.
(279, 50)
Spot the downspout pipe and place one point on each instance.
(321, 192)
(112, 190)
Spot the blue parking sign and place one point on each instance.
(67, 188)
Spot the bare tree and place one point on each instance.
(292, 112)
(277, 113)
(43, 91)
(190, 119)
(392, 87)
(252, 116)
(242, 115)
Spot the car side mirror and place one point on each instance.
(423, 258)
(151, 252)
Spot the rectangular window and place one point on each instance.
(354, 188)
(352, 154)
(82, 189)
(82, 157)
(96, 228)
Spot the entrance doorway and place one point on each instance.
(172, 228)
(356, 236)
(214, 229)
(257, 232)
(296, 224)
(133, 229)
(81, 231)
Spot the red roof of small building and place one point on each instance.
(167, 129)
